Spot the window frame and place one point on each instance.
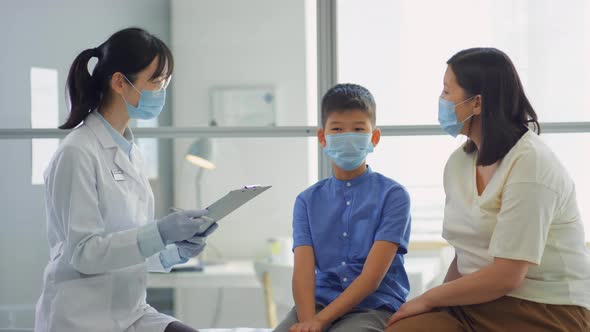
(326, 77)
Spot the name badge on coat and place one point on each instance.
(118, 175)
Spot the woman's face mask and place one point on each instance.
(447, 116)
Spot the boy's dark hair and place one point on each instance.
(506, 113)
(348, 97)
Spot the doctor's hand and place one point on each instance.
(195, 245)
(181, 225)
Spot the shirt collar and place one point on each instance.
(354, 182)
(125, 141)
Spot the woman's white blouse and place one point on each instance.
(528, 211)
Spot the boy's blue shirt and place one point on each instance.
(341, 220)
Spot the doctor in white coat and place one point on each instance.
(100, 208)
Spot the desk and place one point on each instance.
(237, 275)
(232, 274)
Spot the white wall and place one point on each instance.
(44, 34)
(233, 43)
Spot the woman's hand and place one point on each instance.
(181, 225)
(414, 307)
(312, 325)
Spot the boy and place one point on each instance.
(350, 231)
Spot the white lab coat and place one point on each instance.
(96, 276)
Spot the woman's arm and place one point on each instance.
(452, 272)
(74, 203)
(487, 284)
(520, 233)
(304, 283)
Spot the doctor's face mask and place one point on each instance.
(150, 103)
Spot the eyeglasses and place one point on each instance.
(163, 84)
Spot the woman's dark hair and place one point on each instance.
(505, 112)
(128, 51)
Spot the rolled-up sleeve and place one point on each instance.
(395, 223)
(301, 227)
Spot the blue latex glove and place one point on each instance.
(171, 257)
(195, 245)
(180, 225)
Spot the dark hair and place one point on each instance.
(348, 97)
(505, 111)
(128, 51)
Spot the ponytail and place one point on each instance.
(128, 52)
(83, 89)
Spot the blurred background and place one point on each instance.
(244, 96)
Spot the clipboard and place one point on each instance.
(229, 203)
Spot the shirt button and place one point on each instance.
(348, 203)
(348, 184)
(345, 234)
(345, 279)
(343, 263)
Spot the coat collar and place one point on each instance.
(119, 157)
(104, 137)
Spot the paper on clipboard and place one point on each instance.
(229, 203)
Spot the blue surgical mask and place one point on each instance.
(447, 118)
(149, 106)
(348, 150)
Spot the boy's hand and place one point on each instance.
(312, 325)
(414, 307)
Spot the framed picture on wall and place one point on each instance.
(243, 106)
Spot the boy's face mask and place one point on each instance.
(348, 150)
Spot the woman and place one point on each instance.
(100, 207)
(511, 214)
